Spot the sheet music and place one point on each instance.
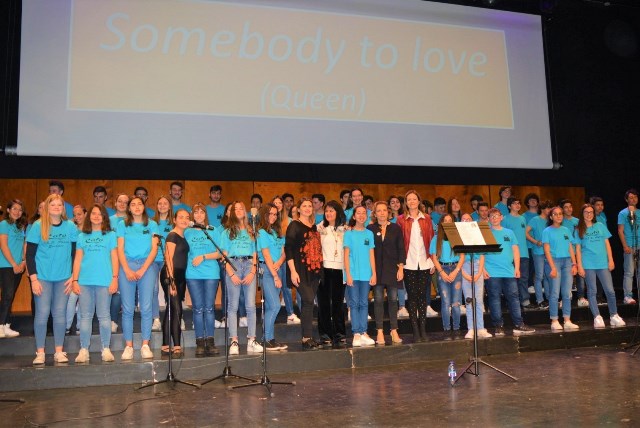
(470, 233)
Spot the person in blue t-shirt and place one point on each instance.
(142, 193)
(518, 225)
(272, 263)
(318, 200)
(176, 190)
(357, 199)
(395, 208)
(12, 264)
(57, 188)
(504, 194)
(95, 280)
(137, 249)
(560, 266)
(203, 277)
(475, 200)
(360, 272)
(287, 296)
(593, 252)
(100, 197)
(629, 233)
(215, 209)
(501, 272)
(534, 230)
(439, 209)
(571, 223)
(164, 219)
(51, 243)
(449, 266)
(122, 202)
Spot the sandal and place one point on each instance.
(380, 339)
(395, 338)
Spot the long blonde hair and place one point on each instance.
(45, 220)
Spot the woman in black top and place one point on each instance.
(304, 259)
(172, 278)
(390, 257)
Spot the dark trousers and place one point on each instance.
(9, 282)
(175, 303)
(417, 282)
(307, 290)
(331, 306)
(378, 305)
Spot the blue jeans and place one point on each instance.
(450, 295)
(359, 304)
(155, 304)
(402, 297)
(52, 301)
(607, 286)
(523, 281)
(561, 284)
(509, 288)
(203, 297)
(116, 305)
(72, 308)
(466, 288)
(629, 268)
(244, 267)
(541, 278)
(94, 300)
(144, 288)
(271, 296)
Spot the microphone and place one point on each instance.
(254, 216)
(632, 214)
(155, 235)
(201, 226)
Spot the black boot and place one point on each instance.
(200, 347)
(416, 332)
(210, 347)
(423, 330)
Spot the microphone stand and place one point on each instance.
(264, 380)
(636, 265)
(171, 285)
(226, 372)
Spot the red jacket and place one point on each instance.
(426, 227)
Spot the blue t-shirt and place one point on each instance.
(559, 239)
(447, 255)
(15, 242)
(500, 265)
(349, 213)
(272, 242)
(504, 209)
(435, 219)
(163, 230)
(53, 258)
(475, 216)
(241, 246)
(537, 225)
(215, 215)
(68, 210)
(602, 218)
(150, 213)
(320, 218)
(528, 215)
(571, 224)
(181, 206)
(623, 218)
(593, 247)
(110, 211)
(137, 238)
(199, 244)
(518, 226)
(114, 220)
(359, 243)
(96, 268)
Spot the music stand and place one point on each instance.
(485, 245)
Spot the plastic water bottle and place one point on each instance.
(452, 372)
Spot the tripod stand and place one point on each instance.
(264, 380)
(226, 372)
(171, 378)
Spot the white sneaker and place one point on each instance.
(156, 326)
(6, 329)
(145, 352)
(39, 359)
(253, 346)
(365, 340)
(368, 317)
(243, 322)
(220, 324)
(616, 321)
(598, 322)
(1, 331)
(60, 357)
(357, 341)
(568, 325)
(127, 354)
(484, 334)
(282, 302)
(107, 356)
(182, 326)
(403, 313)
(531, 290)
(234, 349)
(114, 327)
(430, 312)
(556, 326)
(83, 356)
(470, 334)
(583, 303)
(463, 310)
(293, 319)
(629, 301)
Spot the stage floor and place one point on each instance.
(587, 386)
